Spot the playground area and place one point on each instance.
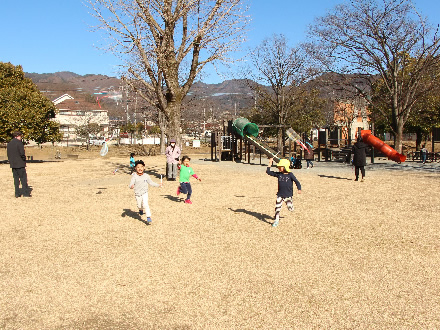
(351, 255)
(239, 138)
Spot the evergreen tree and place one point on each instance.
(23, 108)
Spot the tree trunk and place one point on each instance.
(162, 127)
(419, 138)
(174, 116)
(398, 143)
(280, 141)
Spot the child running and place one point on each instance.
(285, 187)
(140, 182)
(185, 173)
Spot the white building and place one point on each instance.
(73, 113)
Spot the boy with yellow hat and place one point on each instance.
(285, 186)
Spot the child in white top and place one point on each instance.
(140, 182)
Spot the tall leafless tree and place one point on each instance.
(276, 75)
(373, 39)
(165, 44)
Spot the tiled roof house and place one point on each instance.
(73, 113)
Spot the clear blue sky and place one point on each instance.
(47, 36)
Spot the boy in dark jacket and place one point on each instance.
(285, 186)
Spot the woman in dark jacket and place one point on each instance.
(359, 152)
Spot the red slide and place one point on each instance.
(378, 144)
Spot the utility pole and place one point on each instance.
(204, 121)
(126, 100)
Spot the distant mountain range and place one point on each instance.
(231, 96)
(204, 102)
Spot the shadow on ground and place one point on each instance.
(259, 216)
(133, 215)
(35, 161)
(333, 177)
(173, 198)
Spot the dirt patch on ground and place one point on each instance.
(351, 255)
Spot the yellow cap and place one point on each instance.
(284, 163)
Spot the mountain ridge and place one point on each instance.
(229, 95)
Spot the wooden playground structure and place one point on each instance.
(240, 140)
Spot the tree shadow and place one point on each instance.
(154, 173)
(133, 215)
(260, 216)
(334, 177)
(122, 168)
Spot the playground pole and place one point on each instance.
(372, 149)
(212, 146)
(241, 149)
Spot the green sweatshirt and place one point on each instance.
(185, 173)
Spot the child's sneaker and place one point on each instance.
(275, 223)
(178, 190)
(187, 201)
(141, 212)
(149, 221)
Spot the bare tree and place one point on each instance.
(277, 73)
(373, 39)
(88, 126)
(165, 44)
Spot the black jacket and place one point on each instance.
(16, 155)
(359, 151)
(285, 183)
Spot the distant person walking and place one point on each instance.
(173, 154)
(423, 154)
(359, 151)
(17, 162)
(309, 156)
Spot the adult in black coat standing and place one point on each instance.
(17, 161)
(359, 151)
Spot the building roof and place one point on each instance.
(78, 105)
(62, 98)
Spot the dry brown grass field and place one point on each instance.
(77, 255)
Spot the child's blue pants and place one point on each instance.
(185, 188)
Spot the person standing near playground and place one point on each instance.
(308, 156)
(359, 151)
(140, 182)
(17, 162)
(285, 187)
(172, 153)
(423, 154)
(185, 173)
